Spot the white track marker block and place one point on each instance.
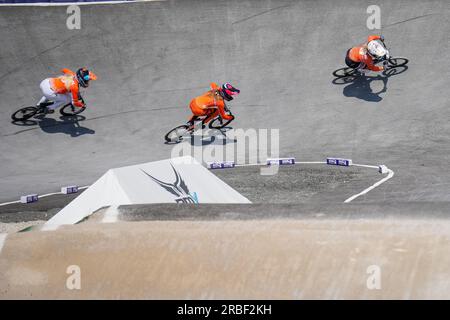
(383, 169)
(339, 162)
(30, 198)
(69, 189)
(221, 165)
(280, 161)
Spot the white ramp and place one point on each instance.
(177, 180)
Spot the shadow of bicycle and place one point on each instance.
(69, 125)
(212, 137)
(360, 86)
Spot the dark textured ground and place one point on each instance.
(302, 183)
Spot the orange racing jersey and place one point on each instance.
(67, 83)
(211, 100)
(359, 54)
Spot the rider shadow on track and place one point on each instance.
(360, 86)
(218, 137)
(69, 125)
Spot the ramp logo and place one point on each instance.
(178, 188)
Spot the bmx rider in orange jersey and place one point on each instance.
(363, 57)
(212, 103)
(65, 89)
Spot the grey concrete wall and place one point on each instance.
(269, 259)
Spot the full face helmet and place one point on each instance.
(228, 91)
(376, 49)
(84, 76)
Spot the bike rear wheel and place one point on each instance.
(344, 72)
(219, 123)
(397, 62)
(71, 110)
(24, 113)
(177, 134)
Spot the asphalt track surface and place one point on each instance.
(152, 58)
(303, 241)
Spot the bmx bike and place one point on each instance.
(26, 113)
(392, 63)
(181, 132)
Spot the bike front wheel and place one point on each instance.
(24, 113)
(177, 134)
(397, 62)
(71, 110)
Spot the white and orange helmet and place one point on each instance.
(376, 49)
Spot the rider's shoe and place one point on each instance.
(43, 107)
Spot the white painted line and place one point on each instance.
(265, 164)
(2, 240)
(6, 203)
(249, 164)
(61, 4)
(49, 194)
(390, 175)
(55, 193)
(365, 166)
(311, 162)
(42, 196)
(111, 214)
